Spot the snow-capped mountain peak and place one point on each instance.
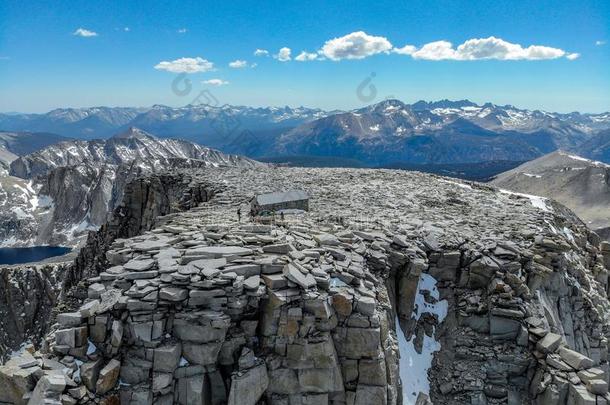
(84, 180)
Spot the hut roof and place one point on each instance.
(279, 197)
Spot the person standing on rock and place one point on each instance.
(239, 214)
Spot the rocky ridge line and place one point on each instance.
(56, 195)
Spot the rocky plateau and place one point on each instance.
(395, 288)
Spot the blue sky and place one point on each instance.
(44, 63)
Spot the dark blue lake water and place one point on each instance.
(30, 254)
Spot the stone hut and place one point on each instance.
(280, 201)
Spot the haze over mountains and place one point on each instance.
(389, 134)
(203, 123)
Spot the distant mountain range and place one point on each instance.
(446, 132)
(57, 194)
(83, 123)
(213, 126)
(387, 134)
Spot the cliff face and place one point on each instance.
(145, 200)
(27, 297)
(29, 293)
(396, 288)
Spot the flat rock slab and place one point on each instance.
(173, 294)
(597, 386)
(139, 265)
(578, 395)
(95, 290)
(108, 377)
(141, 275)
(167, 358)
(245, 270)
(295, 275)
(252, 283)
(549, 343)
(575, 359)
(209, 264)
(150, 245)
(69, 319)
(282, 248)
(89, 308)
(326, 239)
(216, 252)
(248, 387)
(275, 281)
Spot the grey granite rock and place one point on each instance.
(201, 307)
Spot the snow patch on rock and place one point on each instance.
(537, 201)
(414, 366)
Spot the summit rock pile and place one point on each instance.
(396, 288)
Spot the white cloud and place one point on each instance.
(487, 48)
(307, 56)
(126, 29)
(405, 50)
(357, 45)
(238, 64)
(437, 50)
(186, 65)
(261, 52)
(496, 48)
(215, 82)
(600, 43)
(82, 32)
(182, 31)
(283, 55)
